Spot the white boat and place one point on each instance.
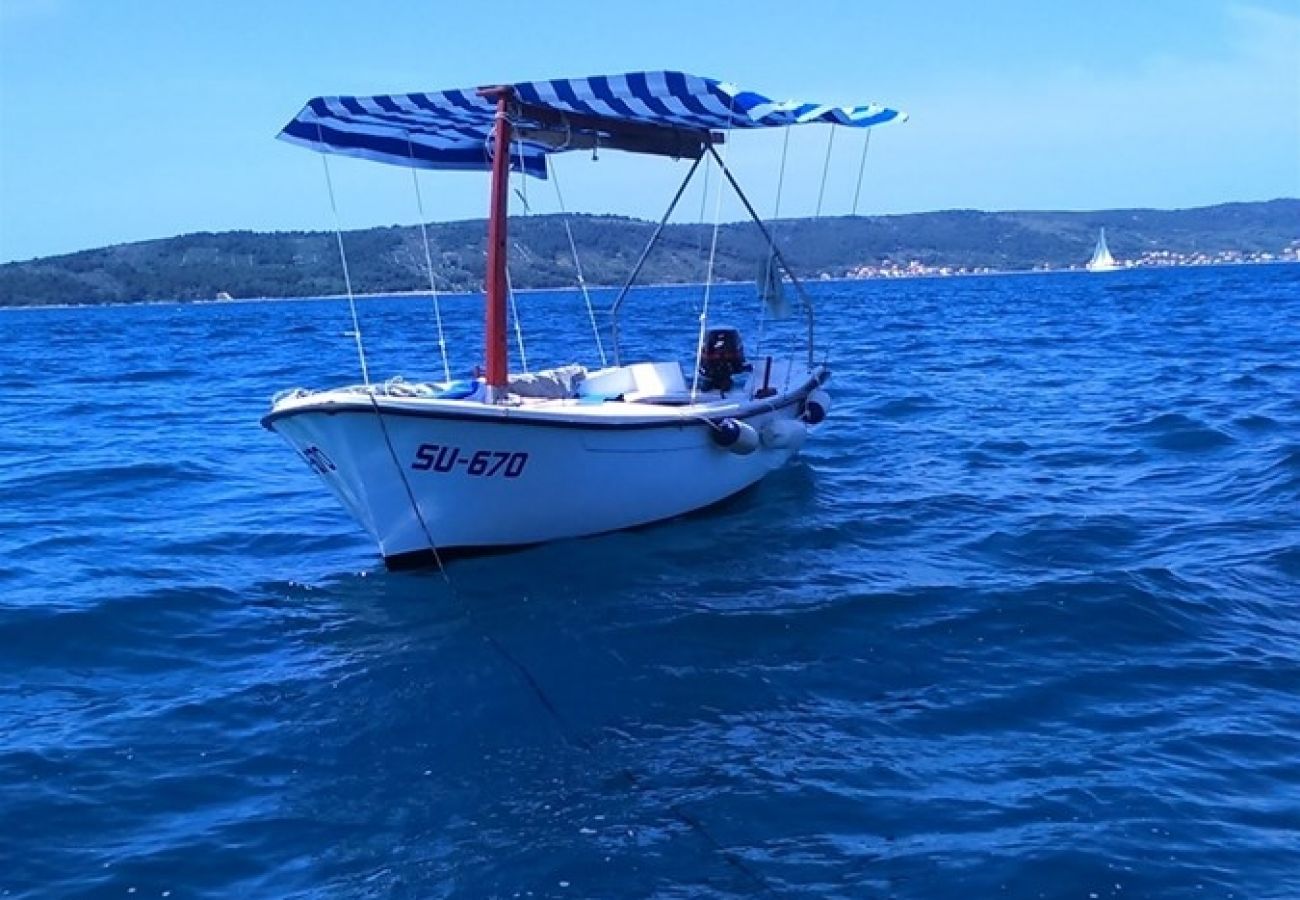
(432, 470)
(1101, 260)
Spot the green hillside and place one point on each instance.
(295, 264)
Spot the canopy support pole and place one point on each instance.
(654, 239)
(496, 346)
(776, 251)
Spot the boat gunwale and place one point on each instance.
(453, 410)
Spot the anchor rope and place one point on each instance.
(406, 484)
(570, 736)
(343, 258)
(428, 264)
(577, 264)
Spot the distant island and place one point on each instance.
(246, 264)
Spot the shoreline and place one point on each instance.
(418, 294)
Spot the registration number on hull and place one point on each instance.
(479, 463)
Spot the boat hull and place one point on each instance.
(423, 479)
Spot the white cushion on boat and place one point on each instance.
(658, 378)
(611, 382)
(641, 379)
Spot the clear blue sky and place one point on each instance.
(140, 118)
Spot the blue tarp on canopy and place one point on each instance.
(451, 129)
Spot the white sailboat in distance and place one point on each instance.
(1101, 260)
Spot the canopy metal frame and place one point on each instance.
(804, 299)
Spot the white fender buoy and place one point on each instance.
(738, 437)
(784, 434)
(816, 407)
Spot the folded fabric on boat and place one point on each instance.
(548, 384)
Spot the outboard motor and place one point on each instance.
(723, 359)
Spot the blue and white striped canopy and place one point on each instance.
(451, 129)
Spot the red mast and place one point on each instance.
(495, 331)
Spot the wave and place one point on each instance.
(1177, 432)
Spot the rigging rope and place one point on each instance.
(821, 193)
(522, 191)
(780, 178)
(704, 202)
(361, 353)
(577, 265)
(776, 213)
(862, 167)
(708, 280)
(428, 263)
(826, 167)
(514, 314)
(347, 276)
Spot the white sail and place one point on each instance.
(1101, 260)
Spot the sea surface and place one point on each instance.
(1022, 620)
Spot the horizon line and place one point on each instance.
(624, 218)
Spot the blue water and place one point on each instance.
(1022, 621)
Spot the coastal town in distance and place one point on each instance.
(1146, 260)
